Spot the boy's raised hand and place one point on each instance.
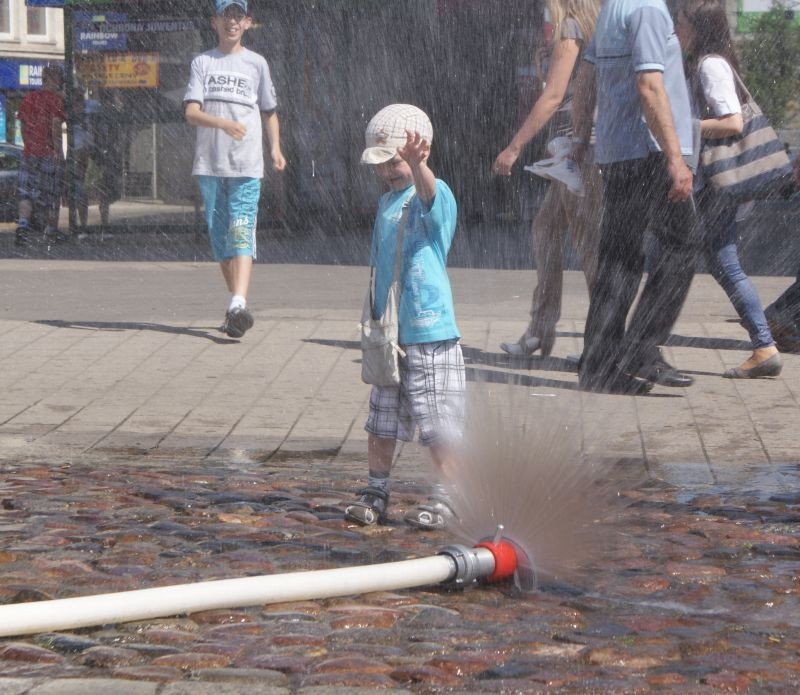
(416, 150)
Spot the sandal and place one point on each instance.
(433, 516)
(369, 508)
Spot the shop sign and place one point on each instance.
(131, 70)
(21, 74)
(92, 31)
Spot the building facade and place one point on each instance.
(30, 38)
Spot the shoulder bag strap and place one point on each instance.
(398, 252)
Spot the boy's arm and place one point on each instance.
(273, 131)
(195, 116)
(415, 153)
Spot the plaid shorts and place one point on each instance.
(41, 181)
(430, 396)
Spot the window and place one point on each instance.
(37, 21)
(5, 16)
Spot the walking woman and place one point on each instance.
(702, 28)
(573, 26)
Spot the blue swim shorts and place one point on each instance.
(231, 210)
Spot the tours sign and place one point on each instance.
(95, 31)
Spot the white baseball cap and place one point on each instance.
(387, 131)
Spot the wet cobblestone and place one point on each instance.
(700, 594)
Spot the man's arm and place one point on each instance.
(273, 132)
(195, 116)
(658, 115)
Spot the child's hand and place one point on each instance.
(235, 129)
(278, 161)
(416, 150)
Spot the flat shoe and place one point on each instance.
(769, 367)
(531, 345)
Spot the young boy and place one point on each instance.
(229, 88)
(42, 168)
(431, 393)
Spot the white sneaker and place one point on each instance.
(561, 169)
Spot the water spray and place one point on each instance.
(457, 565)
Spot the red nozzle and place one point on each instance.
(505, 559)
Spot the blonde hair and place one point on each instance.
(584, 12)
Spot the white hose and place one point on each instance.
(105, 609)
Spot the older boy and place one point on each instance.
(229, 88)
(431, 393)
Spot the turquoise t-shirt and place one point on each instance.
(426, 301)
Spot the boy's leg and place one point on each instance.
(383, 426)
(434, 394)
(215, 192)
(240, 250)
(237, 272)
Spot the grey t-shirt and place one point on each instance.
(562, 122)
(236, 86)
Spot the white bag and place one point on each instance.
(379, 335)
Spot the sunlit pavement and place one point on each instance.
(140, 446)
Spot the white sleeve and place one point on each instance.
(267, 100)
(195, 90)
(719, 86)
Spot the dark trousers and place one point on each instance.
(784, 318)
(635, 199)
(787, 306)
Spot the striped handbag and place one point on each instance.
(752, 165)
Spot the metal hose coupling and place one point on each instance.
(471, 564)
(493, 562)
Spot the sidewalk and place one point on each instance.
(105, 356)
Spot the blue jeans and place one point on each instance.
(718, 244)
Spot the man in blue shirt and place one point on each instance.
(633, 71)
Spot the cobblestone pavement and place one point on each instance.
(139, 447)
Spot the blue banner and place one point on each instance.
(93, 31)
(23, 74)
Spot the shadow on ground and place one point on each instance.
(134, 326)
